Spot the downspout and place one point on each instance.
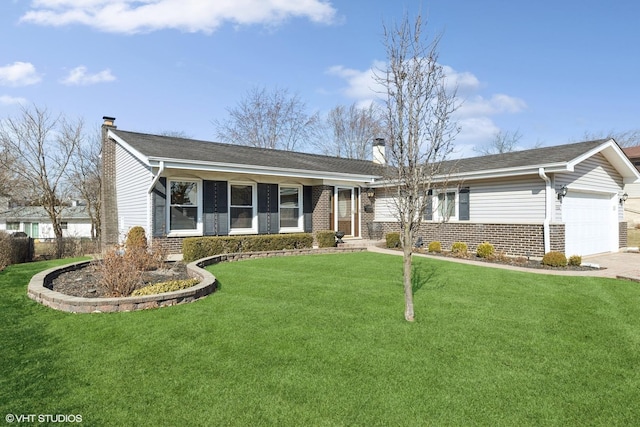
(156, 178)
(548, 205)
(150, 203)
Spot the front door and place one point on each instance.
(346, 218)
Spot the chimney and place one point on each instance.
(379, 151)
(108, 121)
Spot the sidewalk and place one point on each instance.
(620, 265)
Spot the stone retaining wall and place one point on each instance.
(38, 290)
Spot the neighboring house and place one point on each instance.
(564, 198)
(632, 205)
(35, 222)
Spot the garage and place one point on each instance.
(591, 223)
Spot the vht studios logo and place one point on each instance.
(43, 418)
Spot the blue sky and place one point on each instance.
(552, 70)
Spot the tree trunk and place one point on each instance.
(406, 275)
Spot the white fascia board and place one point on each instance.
(138, 155)
(258, 170)
(492, 174)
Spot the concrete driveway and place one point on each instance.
(622, 265)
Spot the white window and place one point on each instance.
(446, 205)
(291, 209)
(184, 207)
(242, 208)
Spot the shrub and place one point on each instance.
(326, 238)
(15, 250)
(393, 240)
(118, 273)
(554, 259)
(194, 248)
(575, 260)
(136, 238)
(435, 247)
(485, 250)
(459, 248)
(170, 286)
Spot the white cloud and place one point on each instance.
(11, 100)
(79, 77)
(476, 112)
(19, 74)
(134, 16)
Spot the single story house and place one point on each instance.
(566, 198)
(35, 222)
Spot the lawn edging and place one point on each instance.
(39, 292)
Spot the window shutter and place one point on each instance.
(428, 211)
(307, 208)
(268, 199)
(159, 202)
(463, 197)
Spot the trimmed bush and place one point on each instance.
(554, 259)
(393, 240)
(326, 238)
(435, 247)
(485, 250)
(136, 238)
(459, 248)
(194, 248)
(170, 286)
(575, 260)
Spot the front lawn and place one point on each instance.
(321, 340)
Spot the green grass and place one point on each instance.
(321, 340)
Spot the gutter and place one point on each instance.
(548, 205)
(156, 178)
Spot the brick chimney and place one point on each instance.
(379, 151)
(109, 212)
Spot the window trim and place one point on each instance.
(437, 217)
(300, 227)
(254, 206)
(12, 223)
(184, 233)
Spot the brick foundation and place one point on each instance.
(512, 239)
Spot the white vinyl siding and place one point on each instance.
(132, 181)
(519, 200)
(385, 209)
(595, 175)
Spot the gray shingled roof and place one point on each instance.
(166, 147)
(533, 157)
(26, 213)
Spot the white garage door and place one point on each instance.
(591, 223)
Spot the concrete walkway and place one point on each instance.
(621, 265)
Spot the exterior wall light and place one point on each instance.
(371, 193)
(562, 192)
(623, 198)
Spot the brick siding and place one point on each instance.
(109, 211)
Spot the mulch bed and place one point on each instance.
(85, 282)
(505, 260)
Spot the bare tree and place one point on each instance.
(269, 119)
(84, 176)
(628, 138)
(419, 106)
(43, 146)
(503, 142)
(352, 128)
